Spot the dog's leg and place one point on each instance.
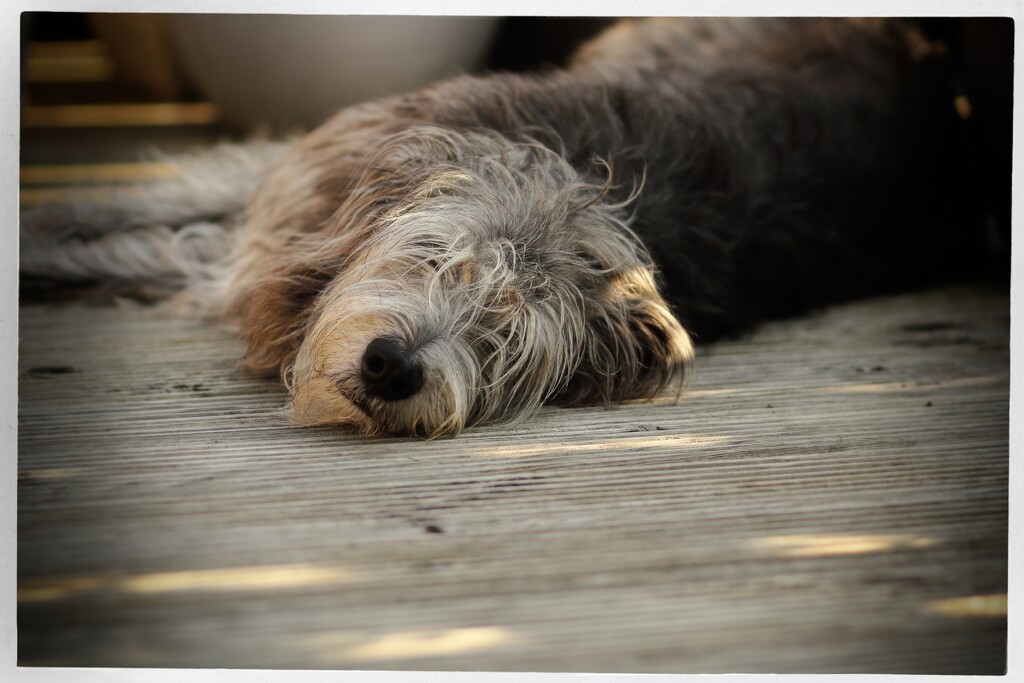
(147, 232)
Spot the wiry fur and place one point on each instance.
(497, 226)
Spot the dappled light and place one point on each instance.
(891, 387)
(583, 445)
(236, 578)
(218, 579)
(351, 647)
(43, 591)
(49, 473)
(969, 606)
(823, 545)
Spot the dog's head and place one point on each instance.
(468, 278)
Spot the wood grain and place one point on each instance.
(822, 497)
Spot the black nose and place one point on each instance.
(389, 370)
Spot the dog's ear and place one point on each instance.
(274, 316)
(635, 346)
(277, 309)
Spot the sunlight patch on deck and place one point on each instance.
(666, 400)
(49, 473)
(237, 578)
(675, 440)
(969, 606)
(814, 545)
(339, 646)
(890, 387)
(706, 393)
(222, 579)
(37, 591)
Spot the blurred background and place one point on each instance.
(173, 80)
(99, 90)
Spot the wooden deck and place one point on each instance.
(829, 495)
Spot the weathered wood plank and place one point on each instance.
(813, 501)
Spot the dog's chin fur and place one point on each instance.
(501, 229)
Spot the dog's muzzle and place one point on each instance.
(390, 371)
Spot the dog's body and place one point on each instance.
(476, 249)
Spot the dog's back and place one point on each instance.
(785, 163)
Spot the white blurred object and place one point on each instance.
(297, 70)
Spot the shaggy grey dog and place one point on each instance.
(484, 246)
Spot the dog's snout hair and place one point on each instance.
(487, 284)
(472, 251)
